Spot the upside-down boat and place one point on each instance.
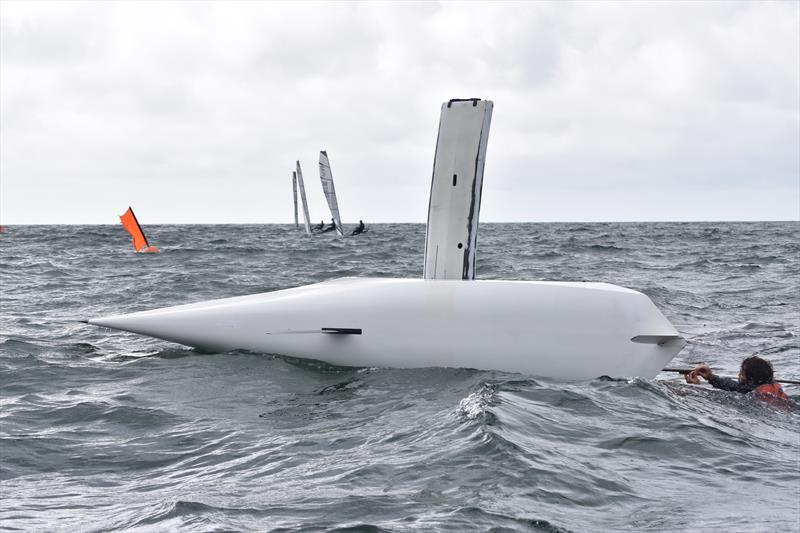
(559, 330)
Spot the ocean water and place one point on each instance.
(102, 430)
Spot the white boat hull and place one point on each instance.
(569, 331)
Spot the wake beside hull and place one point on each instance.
(569, 331)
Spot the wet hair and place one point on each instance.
(757, 371)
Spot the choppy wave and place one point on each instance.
(105, 430)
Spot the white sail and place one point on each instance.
(326, 176)
(302, 188)
(294, 191)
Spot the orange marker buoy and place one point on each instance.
(131, 225)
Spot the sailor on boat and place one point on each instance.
(755, 375)
(332, 227)
(360, 229)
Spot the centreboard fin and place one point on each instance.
(455, 200)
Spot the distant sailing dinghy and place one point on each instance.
(326, 177)
(131, 225)
(558, 330)
(298, 177)
(294, 191)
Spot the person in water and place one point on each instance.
(755, 375)
(360, 229)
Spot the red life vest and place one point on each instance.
(771, 389)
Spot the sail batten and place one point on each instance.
(326, 177)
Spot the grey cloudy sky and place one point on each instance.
(196, 112)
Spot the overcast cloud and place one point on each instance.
(196, 112)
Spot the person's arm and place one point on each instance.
(728, 384)
(718, 382)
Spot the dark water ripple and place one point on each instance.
(104, 430)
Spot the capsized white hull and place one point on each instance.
(570, 331)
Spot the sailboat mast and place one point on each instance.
(146, 242)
